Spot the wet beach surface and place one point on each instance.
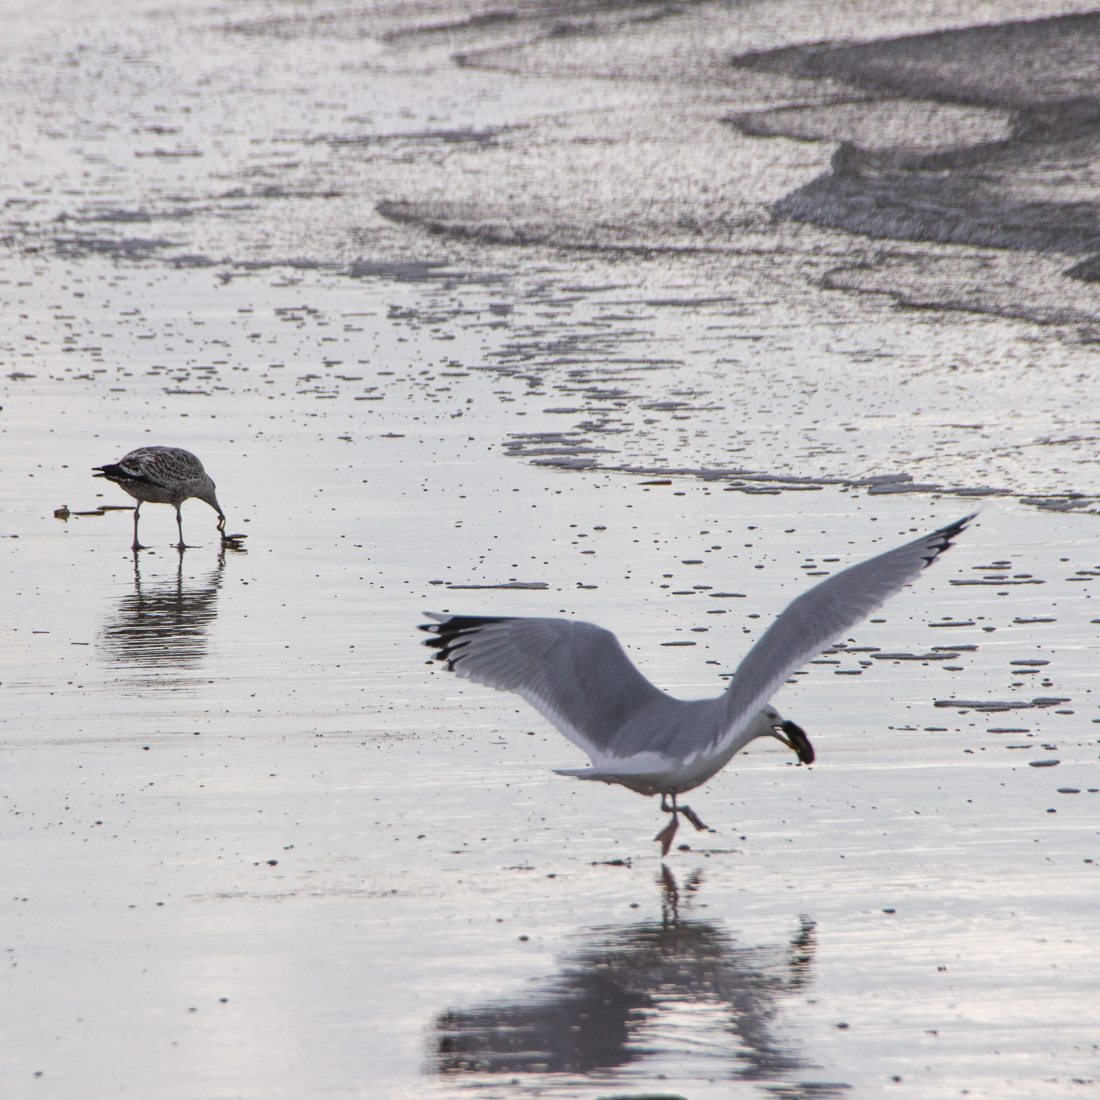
(545, 311)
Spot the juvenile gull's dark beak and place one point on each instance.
(796, 740)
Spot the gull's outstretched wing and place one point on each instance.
(575, 674)
(818, 617)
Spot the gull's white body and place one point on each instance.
(656, 773)
(578, 677)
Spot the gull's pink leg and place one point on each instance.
(667, 833)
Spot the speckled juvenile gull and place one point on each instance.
(163, 475)
(577, 676)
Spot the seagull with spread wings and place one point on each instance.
(578, 677)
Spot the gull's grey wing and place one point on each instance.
(575, 674)
(817, 617)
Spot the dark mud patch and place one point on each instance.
(950, 198)
(516, 228)
(753, 481)
(1033, 189)
(403, 271)
(1020, 287)
(1017, 64)
(485, 138)
(533, 586)
(274, 191)
(126, 248)
(992, 706)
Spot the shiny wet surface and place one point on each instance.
(257, 846)
(235, 775)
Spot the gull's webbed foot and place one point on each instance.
(693, 817)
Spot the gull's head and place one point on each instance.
(790, 733)
(206, 493)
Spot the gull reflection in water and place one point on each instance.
(160, 629)
(678, 988)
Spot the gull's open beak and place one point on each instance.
(794, 737)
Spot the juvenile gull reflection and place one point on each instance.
(616, 1001)
(161, 626)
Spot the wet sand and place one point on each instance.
(257, 845)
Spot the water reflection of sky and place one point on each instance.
(634, 992)
(673, 324)
(160, 629)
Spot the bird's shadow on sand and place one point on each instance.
(626, 993)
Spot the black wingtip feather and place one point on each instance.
(114, 472)
(941, 540)
(454, 633)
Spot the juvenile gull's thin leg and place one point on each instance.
(137, 545)
(179, 525)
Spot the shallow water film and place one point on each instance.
(643, 314)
